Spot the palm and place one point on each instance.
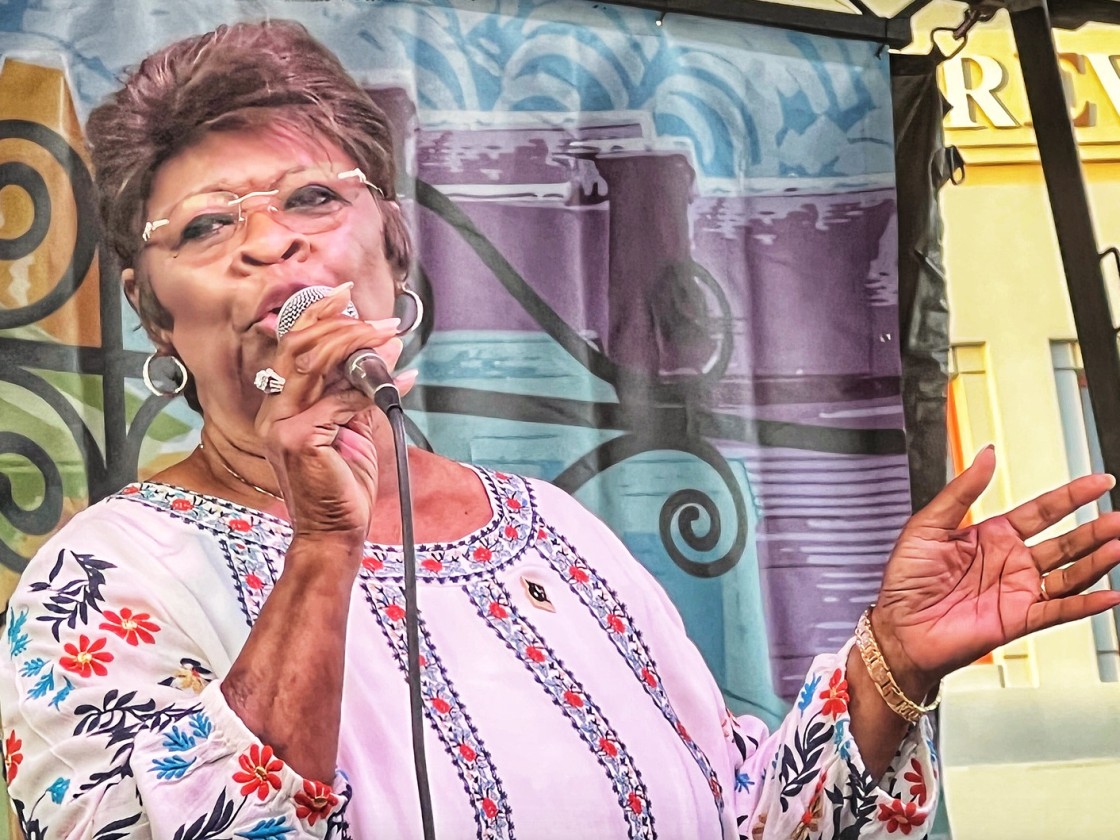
(950, 595)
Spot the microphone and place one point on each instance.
(363, 369)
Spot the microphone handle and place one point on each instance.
(366, 371)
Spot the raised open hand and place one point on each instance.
(952, 594)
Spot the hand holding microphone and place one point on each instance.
(318, 429)
(364, 369)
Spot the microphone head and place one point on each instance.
(295, 305)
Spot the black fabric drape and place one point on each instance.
(922, 167)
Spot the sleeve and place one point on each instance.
(807, 779)
(114, 721)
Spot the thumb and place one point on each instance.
(947, 508)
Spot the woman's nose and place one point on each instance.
(266, 240)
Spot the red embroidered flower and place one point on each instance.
(542, 534)
(315, 801)
(900, 817)
(132, 627)
(12, 756)
(131, 490)
(489, 808)
(259, 772)
(607, 747)
(917, 782)
(239, 525)
(394, 612)
(371, 563)
(182, 504)
(482, 554)
(634, 802)
(573, 699)
(510, 532)
(467, 753)
(86, 658)
(535, 653)
(432, 564)
(497, 610)
(650, 679)
(615, 623)
(502, 476)
(577, 574)
(682, 731)
(253, 582)
(513, 504)
(835, 696)
(441, 705)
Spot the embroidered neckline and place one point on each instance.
(492, 546)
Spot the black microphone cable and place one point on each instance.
(388, 399)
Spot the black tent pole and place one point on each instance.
(1073, 223)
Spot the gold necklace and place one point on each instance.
(247, 483)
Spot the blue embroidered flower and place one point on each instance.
(743, 782)
(32, 667)
(58, 789)
(17, 639)
(276, 827)
(177, 741)
(172, 767)
(63, 693)
(43, 685)
(201, 726)
(840, 739)
(808, 692)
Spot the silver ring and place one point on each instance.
(1045, 596)
(269, 381)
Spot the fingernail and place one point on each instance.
(1111, 481)
(339, 289)
(385, 324)
(406, 377)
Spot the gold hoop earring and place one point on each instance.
(418, 305)
(184, 375)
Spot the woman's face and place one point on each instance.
(223, 297)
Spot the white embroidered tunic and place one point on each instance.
(562, 697)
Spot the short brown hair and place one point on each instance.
(237, 76)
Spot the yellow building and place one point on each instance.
(1031, 739)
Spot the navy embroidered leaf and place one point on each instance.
(31, 828)
(72, 601)
(172, 767)
(115, 829)
(121, 718)
(57, 567)
(178, 741)
(266, 829)
(210, 826)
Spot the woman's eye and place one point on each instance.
(205, 226)
(313, 197)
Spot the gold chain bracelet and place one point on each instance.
(881, 675)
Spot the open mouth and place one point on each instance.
(267, 323)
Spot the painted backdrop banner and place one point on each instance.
(661, 269)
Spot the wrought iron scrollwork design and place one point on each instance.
(46, 516)
(683, 508)
(32, 182)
